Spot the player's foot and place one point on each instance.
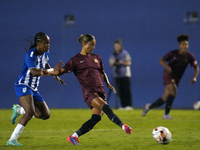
(146, 109)
(73, 140)
(15, 114)
(13, 143)
(127, 129)
(167, 117)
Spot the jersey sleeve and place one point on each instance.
(101, 63)
(127, 57)
(69, 66)
(30, 60)
(168, 56)
(193, 61)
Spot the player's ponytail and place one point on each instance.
(85, 38)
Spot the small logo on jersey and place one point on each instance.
(82, 61)
(24, 90)
(173, 81)
(186, 60)
(95, 60)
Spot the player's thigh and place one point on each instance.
(98, 103)
(27, 103)
(97, 112)
(42, 109)
(170, 89)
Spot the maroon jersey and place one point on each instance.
(178, 62)
(87, 69)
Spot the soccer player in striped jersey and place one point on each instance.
(89, 70)
(26, 86)
(178, 61)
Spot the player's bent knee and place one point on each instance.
(29, 114)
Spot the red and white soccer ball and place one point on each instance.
(196, 105)
(162, 135)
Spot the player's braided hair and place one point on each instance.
(38, 38)
(183, 37)
(85, 38)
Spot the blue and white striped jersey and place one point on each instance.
(32, 60)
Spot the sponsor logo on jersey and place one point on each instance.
(95, 60)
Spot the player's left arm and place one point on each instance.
(194, 64)
(105, 79)
(56, 77)
(196, 72)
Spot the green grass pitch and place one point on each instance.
(52, 134)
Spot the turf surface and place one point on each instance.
(51, 134)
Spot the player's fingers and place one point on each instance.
(114, 90)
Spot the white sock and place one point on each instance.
(123, 127)
(18, 130)
(75, 135)
(21, 111)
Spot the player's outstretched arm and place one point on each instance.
(196, 72)
(105, 79)
(36, 72)
(56, 77)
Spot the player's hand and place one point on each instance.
(111, 87)
(59, 65)
(169, 69)
(193, 80)
(59, 80)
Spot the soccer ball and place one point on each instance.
(162, 135)
(196, 105)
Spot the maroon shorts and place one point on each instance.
(92, 95)
(169, 79)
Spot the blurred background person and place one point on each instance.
(120, 60)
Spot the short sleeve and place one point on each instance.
(69, 66)
(168, 56)
(101, 64)
(193, 61)
(127, 57)
(30, 60)
(111, 59)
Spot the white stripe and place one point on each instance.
(27, 77)
(33, 82)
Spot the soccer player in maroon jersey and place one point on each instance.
(89, 70)
(178, 61)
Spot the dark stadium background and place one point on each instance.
(148, 29)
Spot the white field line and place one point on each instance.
(48, 131)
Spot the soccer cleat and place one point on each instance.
(127, 129)
(73, 140)
(15, 114)
(146, 109)
(167, 117)
(13, 143)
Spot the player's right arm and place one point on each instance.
(31, 64)
(57, 71)
(165, 58)
(164, 64)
